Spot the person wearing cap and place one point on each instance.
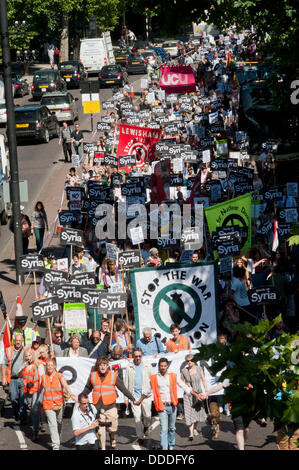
(154, 258)
(29, 334)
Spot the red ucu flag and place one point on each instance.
(177, 79)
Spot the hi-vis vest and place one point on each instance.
(184, 343)
(104, 389)
(157, 394)
(29, 335)
(9, 353)
(31, 375)
(53, 391)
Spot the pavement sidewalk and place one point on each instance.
(51, 195)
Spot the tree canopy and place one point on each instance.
(258, 370)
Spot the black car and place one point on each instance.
(111, 75)
(20, 86)
(45, 81)
(73, 72)
(136, 64)
(36, 122)
(121, 56)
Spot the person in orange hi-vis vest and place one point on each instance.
(178, 342)
(31, 382)
(164, 386)
(11, 367)
(54, 387)
(103, 383)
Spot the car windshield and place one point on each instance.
(26, 116)
(48, 100)
(68, 66)
(49, 76)
(148, 53)
(169, 44)
(112, 69)
(134, 58)
(2, 106)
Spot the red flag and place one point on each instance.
(138, 141)
(6, 336)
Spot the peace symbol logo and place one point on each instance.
(236, 220)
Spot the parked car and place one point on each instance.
(73, 72)
(46, 81)
(111, 75)
(171, 47)
(151, 56)
(63, 104)
(3, 115)
(20, 86)
(136, 64)
(36, 122)
(121, 56)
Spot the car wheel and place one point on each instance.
(46, 136)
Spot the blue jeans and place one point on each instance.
(16, 390)
(167, 423)
(35, 401)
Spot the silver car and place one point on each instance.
(63, 104)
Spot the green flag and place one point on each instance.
(235, 212)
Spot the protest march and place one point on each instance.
(172, 231)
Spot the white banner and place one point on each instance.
(76, 370)
(184, 295)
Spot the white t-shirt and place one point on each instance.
(82, 420)
(240, 292)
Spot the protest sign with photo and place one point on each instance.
(111, 251)
(184, 295)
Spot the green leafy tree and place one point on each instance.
(258, 369)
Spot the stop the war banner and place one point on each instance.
(138, 141)
(177, 79)
(235, 212)
(183, 294)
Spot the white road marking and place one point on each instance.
(20, 437)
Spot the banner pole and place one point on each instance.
(71, 265)
(34, 278)
(111, 332)
(127, 318)
(50, 333)
(114, 136)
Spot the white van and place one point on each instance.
(96, 52)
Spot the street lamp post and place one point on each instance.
(12, 143)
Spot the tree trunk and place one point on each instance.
(64, 38)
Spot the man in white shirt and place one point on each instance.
(164, 387)
(85, 424)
